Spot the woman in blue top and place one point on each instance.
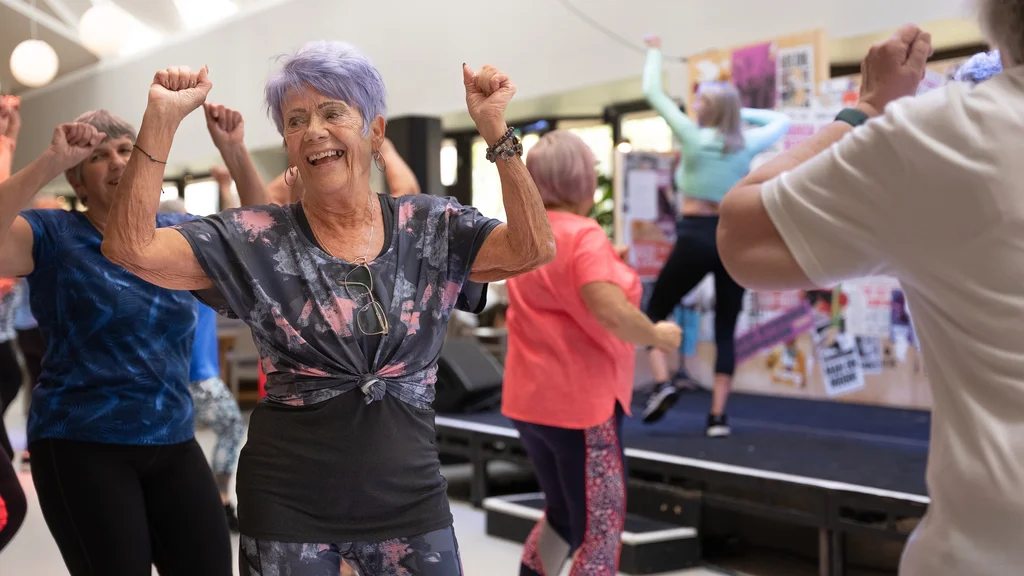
(716, 154)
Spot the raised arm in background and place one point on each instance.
(771, 126)
(227, 128)
(159, 256)
(401, 179)
(10, 124)
(70, 145)
(228, 197)
(682, 126)
(526, 242)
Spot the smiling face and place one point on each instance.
(325, 141)
(98, 176)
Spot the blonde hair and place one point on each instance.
(564, 169)
(724, 100)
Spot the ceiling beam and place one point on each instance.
(64, 12)
(49, 22)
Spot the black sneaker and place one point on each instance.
(684, 382)
(659, 402)
(718, 426)
(229, 511)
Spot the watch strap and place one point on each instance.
(852, 116)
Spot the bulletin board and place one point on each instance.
(780, 73)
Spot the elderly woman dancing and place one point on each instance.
(572, 327)
(348, 294)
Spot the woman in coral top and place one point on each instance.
(572, 329)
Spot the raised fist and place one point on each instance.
(73, 143)
(894, 68)
(177, 91)
(225, 125)
(488, 93)
(653, 41)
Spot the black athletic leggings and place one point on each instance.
(117, 509)
(10, 383)
(694, 256)
(13, 506)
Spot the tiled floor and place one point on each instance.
(33, 552)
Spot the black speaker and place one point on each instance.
(468, 378)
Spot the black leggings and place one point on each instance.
(117, 509)
(13, 506)
(583, 476)
(10, 383)
(694, 256)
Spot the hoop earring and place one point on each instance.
(294, 171)
(379, 161)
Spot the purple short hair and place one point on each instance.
(337, 70)
(564, 169)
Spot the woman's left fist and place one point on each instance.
(488, 93)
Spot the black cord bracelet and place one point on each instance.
(136, 146)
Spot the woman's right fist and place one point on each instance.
(177, 91)
(670, 336)
(73, 143)
(653, 41)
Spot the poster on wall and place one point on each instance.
(783, 328)
(648, 210)
(840, 363)
(795, 77)
(871, 353)
(870, 309)
(754, 73)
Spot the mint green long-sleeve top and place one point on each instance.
(706, 171)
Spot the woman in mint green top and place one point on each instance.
(716, 154)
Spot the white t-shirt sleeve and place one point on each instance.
(836, 211)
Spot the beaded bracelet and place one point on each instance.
(506, 147)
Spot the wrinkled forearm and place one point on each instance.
(132, 222)
(251, 190)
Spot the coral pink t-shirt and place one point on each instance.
(563, 368)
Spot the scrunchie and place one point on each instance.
(979, 67)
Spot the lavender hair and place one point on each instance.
(337, 70)
(563, 168)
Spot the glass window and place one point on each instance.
(169, 191)
(598, 136)
(647, 131)
(486, 184)
(449, 162)
(202, 197)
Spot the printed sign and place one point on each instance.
(649, 257)
(795, 82)
(785, 327)
(870, 310)
(840, 364)
(870, 349)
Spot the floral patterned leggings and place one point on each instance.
(432, 554)
(217, 408)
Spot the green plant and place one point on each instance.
(604, 205)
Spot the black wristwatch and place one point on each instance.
(852, 116)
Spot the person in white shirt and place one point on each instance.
(930, 190)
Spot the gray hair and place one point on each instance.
(104, 122)
(172, 206)
(1003, 24)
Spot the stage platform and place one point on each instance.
(842, 468)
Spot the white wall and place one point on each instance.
(419, 47)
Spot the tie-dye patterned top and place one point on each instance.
(305, 318)
(342, 448)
